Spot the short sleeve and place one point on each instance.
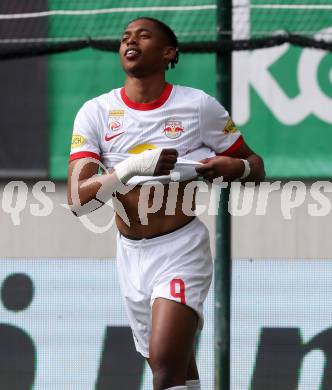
(217, 128)
(85, 136)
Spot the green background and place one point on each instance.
(299, 151)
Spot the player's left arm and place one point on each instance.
(232, 166)
(234, 159)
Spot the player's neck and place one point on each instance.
(144, 90)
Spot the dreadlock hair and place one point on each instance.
(170, 36)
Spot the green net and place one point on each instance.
(42, 27)
(265, 23)
(301, 17)
(104, 19)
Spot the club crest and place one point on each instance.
(173, 128)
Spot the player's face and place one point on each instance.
(144, 49)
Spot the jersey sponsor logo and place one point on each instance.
(115, 119)
(108, 138)
(173, 128)
(77, 141)
(230, 127)
(141, 148)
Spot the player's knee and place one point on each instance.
(166, 373)
(165, 377)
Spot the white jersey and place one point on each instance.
(110, 127)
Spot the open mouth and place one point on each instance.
(132, 53)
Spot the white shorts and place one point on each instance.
(177, 266)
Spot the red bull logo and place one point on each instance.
(173, 129)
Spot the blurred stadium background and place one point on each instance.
(63, 324)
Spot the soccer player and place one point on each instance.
(140, 132)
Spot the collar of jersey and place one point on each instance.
(151, 105)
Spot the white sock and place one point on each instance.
(177, 388)
(193, 385)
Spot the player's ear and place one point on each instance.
(169, 53)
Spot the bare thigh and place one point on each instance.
(173, 332)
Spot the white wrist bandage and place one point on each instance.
(143, 164)
(247, 169)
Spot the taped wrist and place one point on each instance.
(247, 169)
(143, 164)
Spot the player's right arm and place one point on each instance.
(79, 190)
(84, 160)
(87, 190)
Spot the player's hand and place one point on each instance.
(166, 162)
(228, 167)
